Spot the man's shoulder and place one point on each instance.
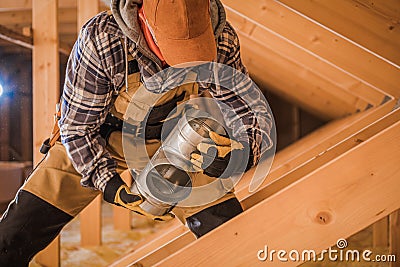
(228, 37)
(101, 24)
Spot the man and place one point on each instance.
(114, 54)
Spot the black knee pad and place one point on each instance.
(28, 226)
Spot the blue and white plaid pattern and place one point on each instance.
(96, 69)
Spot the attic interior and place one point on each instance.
(330, 71)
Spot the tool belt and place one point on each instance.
(152, 129)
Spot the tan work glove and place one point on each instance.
(118, 193)
(221, 156)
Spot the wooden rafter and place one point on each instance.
(45, 91)
(303, 169)
(312, 69)
(24, 17)
(90, 217)
(294, 73)
(7, 5)
(12, 5)
(389, 8)
(25, 41)
(360, 23)
(311, 221)
(322, 42)
(15, 38)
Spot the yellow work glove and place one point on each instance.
(221, 156)
(118, 193)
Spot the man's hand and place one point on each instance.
(118, 193)
(221, 157)
(125, 198)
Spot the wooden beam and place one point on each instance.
(285, 161)
(24, 17)
(90, 217)
(90, 223)
(336, 200)
(294, 73)
(7, 5)
(68, 28)
(121, 219)
(166, 249)
(12, 5)
(15, 38)
(25, 123)
(275, 183)
(297, 84)
(151, 242)
(394, 237)
(324, 44)
(5, 126)
(155, 247)
(359, 23)
(380, 233)
(389, 9)
(86, 10)
(46, 93)
(122, 216)
(313, 145)
(25, 41)
(45, 68)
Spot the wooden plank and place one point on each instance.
(21, 17)
(315, 144)
(151, 243)
(12, 5)
(157, 247)
(389, 9)
(331, 197)
(9, 5)
(300, 152)
(122, 216)
(24, 17)
(357, 22)
(295, 74)
(68, 28)
(322, 68)
(15, 38)
(86, 10)
(321, 42)
(5, 126)
(90, 223)
(274, 184)
(45, 74)
(25, 123)
(297, 84)
(90, 217)
(166, 250)
(394, 237)
(380, 233)
(25, 41)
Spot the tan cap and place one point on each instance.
(182, 29)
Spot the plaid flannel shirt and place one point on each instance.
(96, 69)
